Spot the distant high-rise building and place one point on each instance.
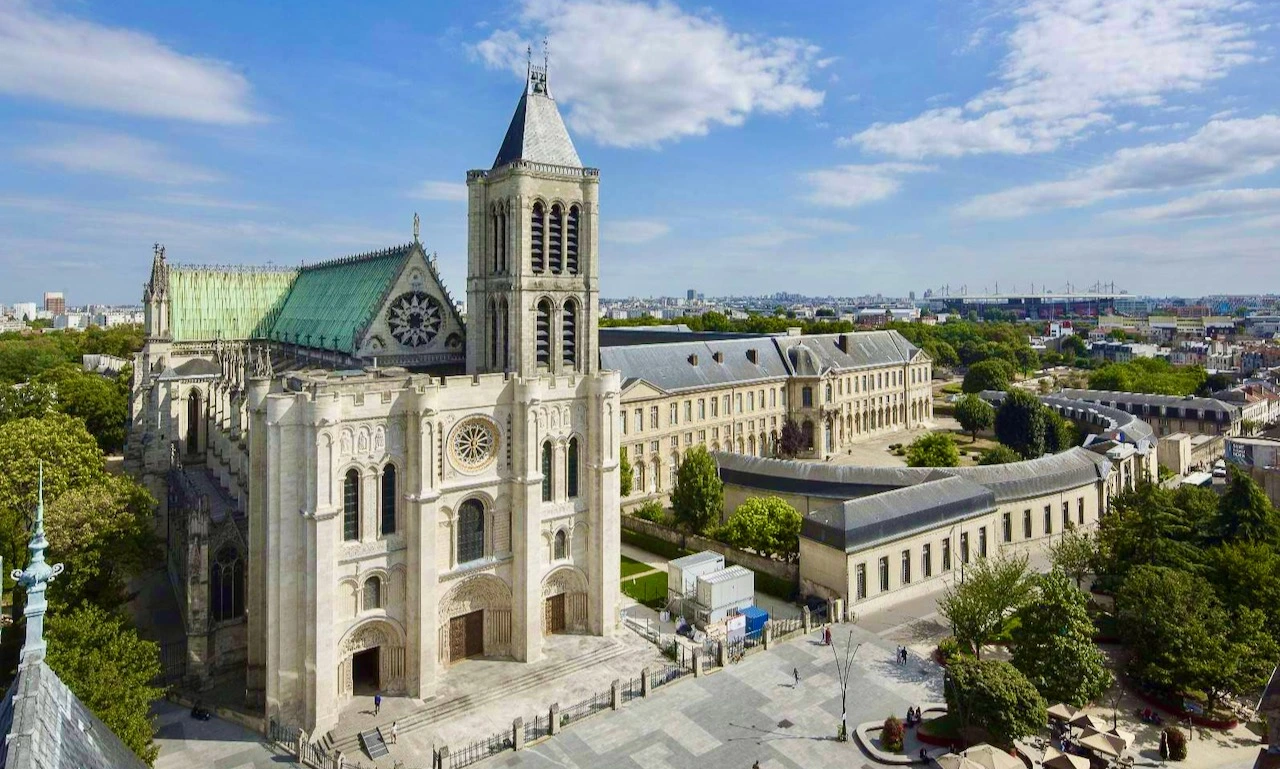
(691, 294)
(912, 296)
(54, 302)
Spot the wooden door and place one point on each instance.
(457, 638)
(555, 614)
(474, 634)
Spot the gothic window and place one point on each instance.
(543, 330)
(503, 322)
(351, 505)
(555, 243)
(497, 235)
(494, 327)
(193, 422)
(571, 469)
(571, 241)
(562, 545)
(537, 238)
(414, 318)
(389, 499)
(569, 340)
(226, 585)
(502, 239)
(470, 531)
(372, 593)
(548, 472)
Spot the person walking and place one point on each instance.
(796, 672)
(394, 734)
(377, 703)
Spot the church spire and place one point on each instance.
(33, 579)
(537, 133)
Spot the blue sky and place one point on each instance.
(822, 147)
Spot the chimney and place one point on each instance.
(717, 356)
(753, 355)
(693, 359)
(843, 343)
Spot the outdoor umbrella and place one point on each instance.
(1102, 743)
(1128, 737)
(990, 757)
(1086, 721)
(1062, 712)
(1056, 759)
(955, 761)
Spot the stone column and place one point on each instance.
(421, 530)
(526, 519)
(256, 587)
(644, 682)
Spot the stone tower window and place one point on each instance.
(548, 472)
(555, 243)
(389, 499)
(226, 585)
(571, 469)
(569, 350)
(571, 241)
(538, 238)
(470, 531)
(372, 593)
(351, 506)
(543, 331)
(562, 545)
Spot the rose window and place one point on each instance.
(475, 442)
(414, 318)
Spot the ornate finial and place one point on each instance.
(528, 56)
(155, 248)
(546, 54)
(162, 252)
(34, 578)
(415, 226)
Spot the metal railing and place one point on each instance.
(537, 727)
(480, 750)
(173, 662)
(632, 689)
(588, 707)
(666, 675)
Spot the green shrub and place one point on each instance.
(892, 734)
(948, 648)
(668, 550)
(652, 511)
(1173, 744)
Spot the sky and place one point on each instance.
(747, 147)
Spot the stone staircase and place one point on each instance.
(436, 712)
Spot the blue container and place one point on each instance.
(756, 617)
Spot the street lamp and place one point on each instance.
(842, 673)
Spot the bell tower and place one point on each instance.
(533, 287)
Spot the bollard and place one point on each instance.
(644, 682)
(555, 718)
(808, 621)
(517, 733)
(697, 665)
(615, 689)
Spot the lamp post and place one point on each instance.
(842, 673)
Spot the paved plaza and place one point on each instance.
(186, 743)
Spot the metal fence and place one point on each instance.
(632, 689)
(173, 663)
(666, 675)
(281, 734)
(785, 627)
(537, 727)
(588, 707)
(479, 750)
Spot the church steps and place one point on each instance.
(349, 743)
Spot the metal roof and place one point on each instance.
(696, 559)
(858, 523)
(669, 366)
(207, 303)
(537, 132)
(43, 724)
(727, 574)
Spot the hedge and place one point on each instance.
(765, 583)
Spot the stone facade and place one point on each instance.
(396, 515)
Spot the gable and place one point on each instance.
(639, 390)
(415, 322)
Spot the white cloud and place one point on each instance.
(1222, 150)
(429, 190)
(634, 230)
(120, 155)
(1213, 203)
(195, 200)
(71, 61)
(849, 186)
(1071, 62)
(636, 74)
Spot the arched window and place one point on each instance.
(389, 499)
(640, 487)
(806, 397)
(537, 238)
(226, 585)
(497, 234)
(562, 545)
(828, 393)
(504, 319)
(193, 422)
(555, 243)
(571, 469)
(569, 340)
(351, 505)
(502, 238)
(571, 242)
(372, 593)
(548, 472)
(543, 331)
(808, 434)
(470, 531)
(494, 332)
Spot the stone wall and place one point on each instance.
(787, 571)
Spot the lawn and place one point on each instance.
(631, 566)
(650, 590)
(945, 726)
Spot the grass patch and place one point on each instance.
(631, 566)
(650, 590)
(946, 727)
(953, 388)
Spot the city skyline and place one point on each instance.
(869, 150)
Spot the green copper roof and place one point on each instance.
(332, 302)
(217, 303)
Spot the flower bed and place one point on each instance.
(943, 731)
(1207, 721)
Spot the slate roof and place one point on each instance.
(859, 523)
(668, 366)
(855, 350)
(1150, 399)
(335, 301)
(1035, 477)
(45, 727)
(537, 132)
(192, 369)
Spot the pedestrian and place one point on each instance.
(393, 733)
(756, 765)
(796, 672)
(903, 655)
(377, 703)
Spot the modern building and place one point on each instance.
(54, 302)
(366, 491)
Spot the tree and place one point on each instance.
(1244, 512)
(1053, 642)
(103, 533)
(1214, 383)
(697, 500)
(991, 374)
(1247, 574)
(767, 525)
(34, 399)
(110, 670)
(1144, 527)
(1060, 433)
(933, 450)
(1021, 423)
(975, 414)
(1074, 346)
(95, 399)
(999, 455)
(978, 606)
(626, 474)
(996, 697)
(791, 442)
(1074, 554)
